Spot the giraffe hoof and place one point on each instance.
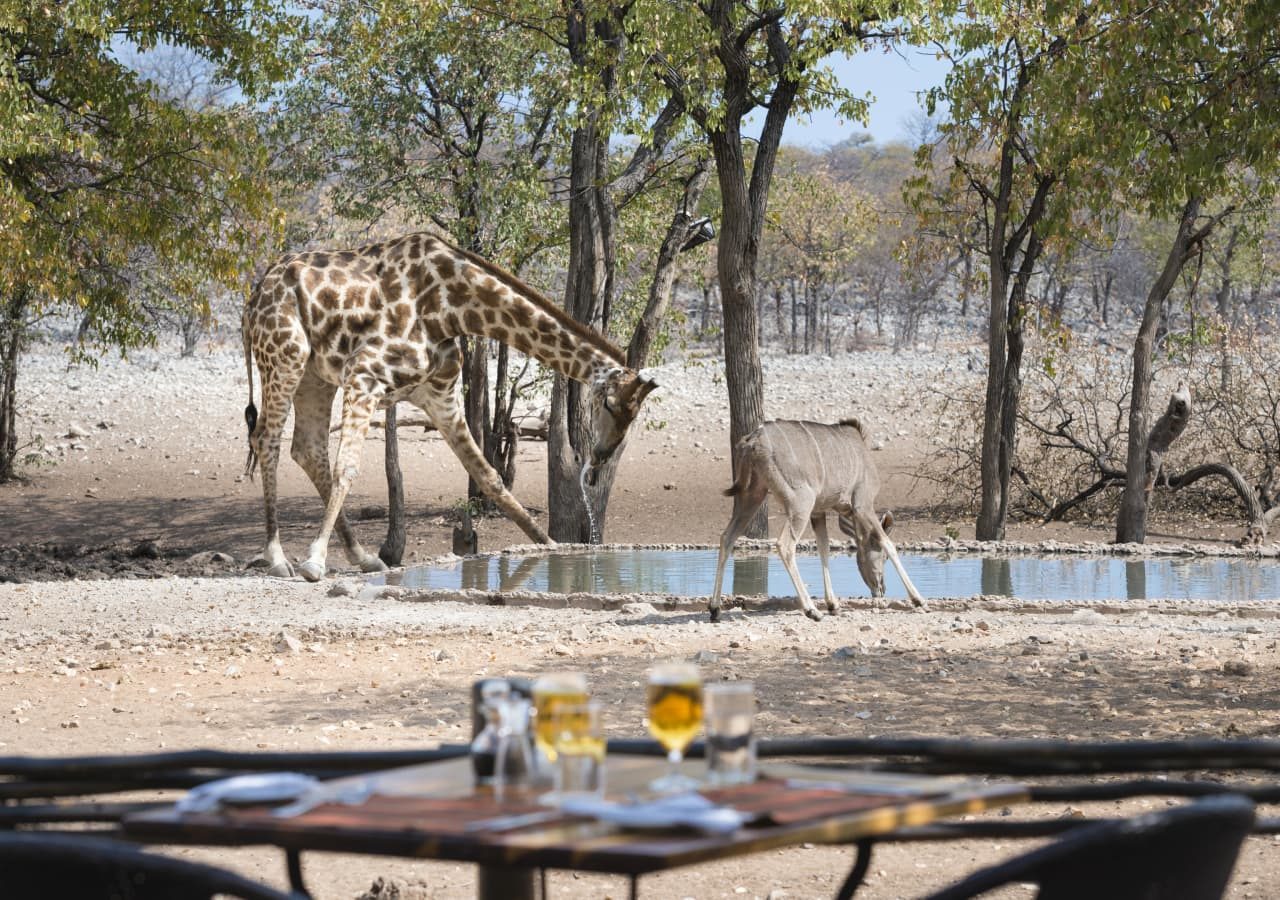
(813, 614)
(312, 571)
(281, 570)
(372, 564)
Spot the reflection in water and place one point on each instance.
(997, 577)
(750, 576)
(691, 573)
(1135, 580)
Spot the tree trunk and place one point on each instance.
(392, 550)
(795, 315)
(705, 325)
(1131, 521)
(12, 327)
(475, 405)
(1223, 304)
(990, 524)
(664, 272)
(1016, 323)
(569, 519)
(738, 250)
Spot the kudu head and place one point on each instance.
(871, 550)
(616, 400)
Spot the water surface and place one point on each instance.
(691, 573)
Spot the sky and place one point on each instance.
(894, 79)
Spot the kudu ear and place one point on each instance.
(886, 521)
(644, 388)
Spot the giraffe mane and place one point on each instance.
(562, 318)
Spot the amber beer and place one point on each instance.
(675, 708)
(549, 693)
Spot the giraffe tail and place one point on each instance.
(250, 411)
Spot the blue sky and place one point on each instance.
(894, 79)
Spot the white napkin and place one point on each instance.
(689, 810)
(265, 787)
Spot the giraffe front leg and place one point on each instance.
(446, 412)
(358, 405)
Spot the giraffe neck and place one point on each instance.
(497, 305)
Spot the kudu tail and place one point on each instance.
(250, 411)
(744, 473)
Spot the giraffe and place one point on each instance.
(382, 323)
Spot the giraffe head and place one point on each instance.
(616, 399)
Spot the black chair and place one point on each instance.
(1185, 853)
(82, 867)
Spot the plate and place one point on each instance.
(265, 789)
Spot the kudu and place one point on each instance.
(813, 468)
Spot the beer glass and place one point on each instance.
(578, 732)
(552, 690)
(675, 718)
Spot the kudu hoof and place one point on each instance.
(715, 615)
(813, 614)
(310, 570)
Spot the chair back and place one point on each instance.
(84, 867)
(1184, 853)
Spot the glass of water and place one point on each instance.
(730, 709)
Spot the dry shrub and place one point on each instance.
(1073, 423)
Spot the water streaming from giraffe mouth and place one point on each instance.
(586, 502)
(691, 572)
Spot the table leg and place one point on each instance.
(505, 883)
(294, 862)
(861, 863)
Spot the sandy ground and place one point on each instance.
(93, 657)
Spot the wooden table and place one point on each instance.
(424, 812)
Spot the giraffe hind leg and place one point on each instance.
(312, 407)
(277, 397)
(359, 400)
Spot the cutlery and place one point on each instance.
(511, 823)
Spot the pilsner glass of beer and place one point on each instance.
(675, 718)
(551, 691)
(580, 750)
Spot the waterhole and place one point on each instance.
(691, 573)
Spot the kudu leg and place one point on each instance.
(880, 527)
(791, 531)
(892, 552)
(745, 507)
(819, 523)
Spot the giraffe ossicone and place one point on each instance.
(381, 322)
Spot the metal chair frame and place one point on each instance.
(92, 868)
(49, 790)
